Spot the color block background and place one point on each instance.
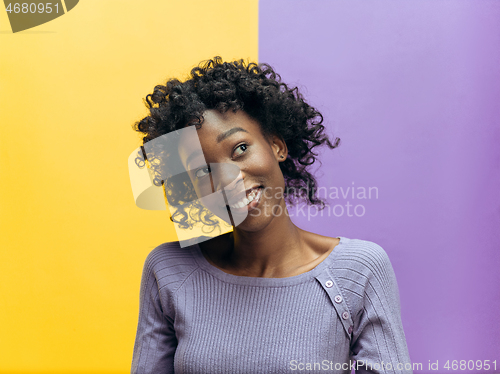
(72, 241)
(413, 90)
(411, 87)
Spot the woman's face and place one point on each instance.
(237, 166)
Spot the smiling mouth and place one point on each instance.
(251, 200)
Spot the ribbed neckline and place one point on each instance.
(266, 282)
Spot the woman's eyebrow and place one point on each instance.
(228, 133)
(219, 138)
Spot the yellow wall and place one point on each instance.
(72, 241)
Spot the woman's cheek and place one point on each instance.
(255, 212)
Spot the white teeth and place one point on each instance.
(252, 194)
(245, 201)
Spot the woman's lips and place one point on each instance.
(249, 201)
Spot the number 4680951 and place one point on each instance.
(470, 365)
(32, 8)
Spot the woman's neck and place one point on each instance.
(281, 249)
(270, 252)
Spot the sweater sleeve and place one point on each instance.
(155, 341)
(378, 340)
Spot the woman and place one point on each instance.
(267, 297)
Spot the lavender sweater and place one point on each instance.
(195, 318)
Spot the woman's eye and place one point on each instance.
(240, 149)
(200, 173)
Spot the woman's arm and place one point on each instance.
(378, 340)
(155, 342)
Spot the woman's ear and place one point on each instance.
(280, 149)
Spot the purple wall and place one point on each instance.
(413, 90)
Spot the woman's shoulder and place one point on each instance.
(365, 275)
(360, 261)
(360, 251)
(170, 263)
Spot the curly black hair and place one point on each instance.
(254, 88)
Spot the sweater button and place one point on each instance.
(329, 284)
(338, 299)
(345, 315)
(350, 330)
